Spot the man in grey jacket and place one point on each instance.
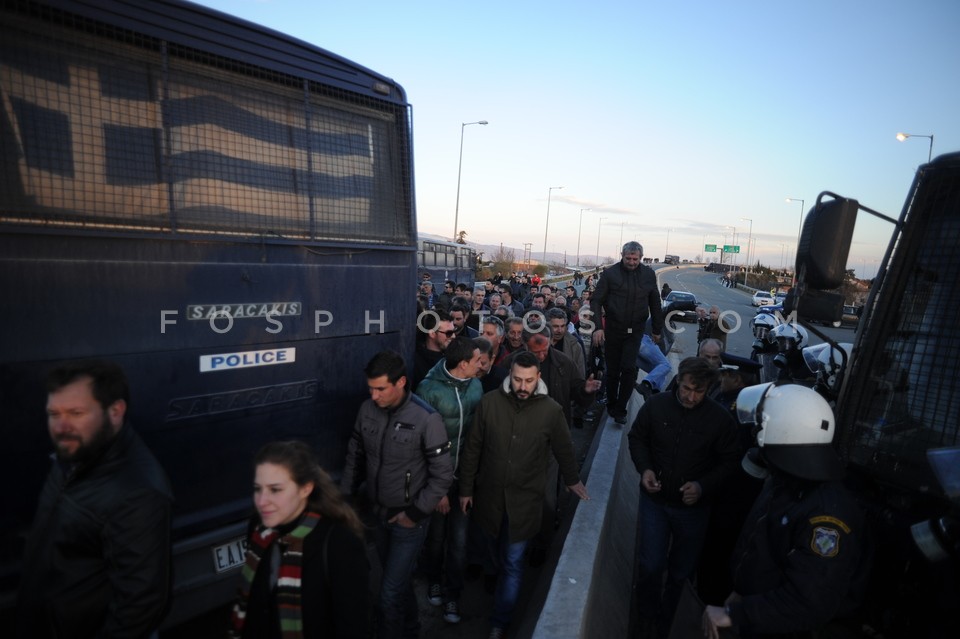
(400, 446)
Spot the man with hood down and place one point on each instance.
(504, 468)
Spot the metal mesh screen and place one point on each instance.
(107, 130)
(912, 394)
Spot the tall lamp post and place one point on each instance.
(746, 273)
(579, 231)
(546, 227)
(903, 136)
(793, 280)
(666, 251)
(456, 211)
(599, 222)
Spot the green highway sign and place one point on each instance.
(731, 248)
(710, 248)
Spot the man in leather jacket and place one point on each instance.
(628, 294)
(97, 562)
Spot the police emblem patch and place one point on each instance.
(825, 541)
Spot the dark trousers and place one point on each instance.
(671, 538)
(621, 354)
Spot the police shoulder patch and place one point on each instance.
(826, 519)
(825, 541)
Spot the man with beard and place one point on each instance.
(97, 562)
(514, 431)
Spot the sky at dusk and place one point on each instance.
(670, 121)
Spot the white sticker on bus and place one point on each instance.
(248, 359)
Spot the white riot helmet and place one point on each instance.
(763, 324)
(790, 336)
(796, 429)
(826, 361)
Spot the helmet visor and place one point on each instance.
(750, 404)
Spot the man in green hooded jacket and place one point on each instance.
(452, 388)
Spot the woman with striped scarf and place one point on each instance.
(306, 573)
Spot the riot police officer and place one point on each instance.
(800, 563)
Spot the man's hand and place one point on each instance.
(591, 385)
(598, 338)
(466, 503)
(714, 618)
(655, 337)
(579, 490)
(691, 492)
(650, 482)
(443, 506)
(402, 520)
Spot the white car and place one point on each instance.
(761, 298)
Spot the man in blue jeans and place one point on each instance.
(399, 444)
(650, 358)
(514, 432)
(684, 445)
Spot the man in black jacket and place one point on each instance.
(628, 293)
(684, 445)
(97, 562)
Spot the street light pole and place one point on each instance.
(579, 231)
(749, 237)
(903, 136)
(546, 227)
(793, 280)
(599, 222)
(666, 251)
(456, 211)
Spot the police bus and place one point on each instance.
(445, 260)
(227, 213)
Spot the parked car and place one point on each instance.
(683, 304)
(762, 298)
(851, 316)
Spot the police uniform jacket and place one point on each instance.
(504, 465)
(97, 562)
(800, 559)
(404, 455)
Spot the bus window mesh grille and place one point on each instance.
(110, 131)
(912, 400)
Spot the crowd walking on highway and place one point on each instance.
(462, 458)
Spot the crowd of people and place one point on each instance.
(463, 457)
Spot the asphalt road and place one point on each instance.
(734, 302)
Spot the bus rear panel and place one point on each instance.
(225, 212)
